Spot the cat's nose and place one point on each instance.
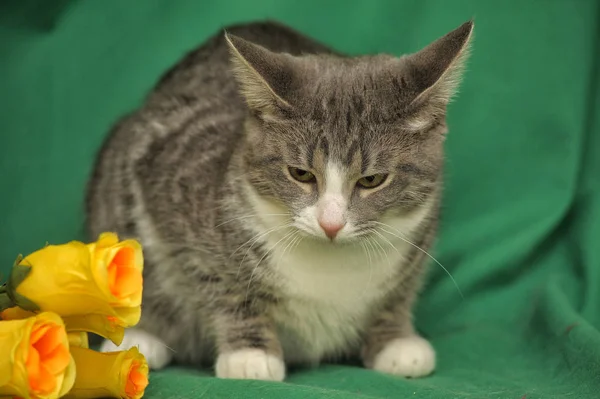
(331, 229)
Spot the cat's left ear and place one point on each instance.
(265, 78)
(436, 71)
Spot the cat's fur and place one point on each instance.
(237, 268)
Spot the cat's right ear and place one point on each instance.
(265, 78)
(436, 70)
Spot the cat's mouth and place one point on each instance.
(345, 237)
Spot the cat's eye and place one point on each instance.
(371, 181)
(303, 176)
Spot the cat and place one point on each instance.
(286, 196)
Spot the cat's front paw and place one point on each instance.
(157, 354)
(407, 357)
(253, 364)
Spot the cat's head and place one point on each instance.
(337, 146)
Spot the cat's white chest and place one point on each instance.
(329, 295)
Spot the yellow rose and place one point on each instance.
(106, 326)
(79, 339)
(121, 374)
(119, 265)
(75, 279)
(16, 313)
(35, 361)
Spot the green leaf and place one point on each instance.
(24, 303)
(18, 260)
(17, 275)
(5, 301)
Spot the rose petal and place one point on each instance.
(38, 332)
(47, 358)
(136, 382)
(124, 257)
(127, 282)
(57, 361)
(46, 384)
(32, 365)
(52, 337)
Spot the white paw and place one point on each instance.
(253, 364)
(406, 357)
(157, 354)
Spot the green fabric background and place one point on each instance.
(522, 208)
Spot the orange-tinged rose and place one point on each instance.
(108, 327)
(35, 361)
(121, 374)
(74, 279)
(119, 265)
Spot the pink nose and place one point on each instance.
(331, 229)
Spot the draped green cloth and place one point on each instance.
(521, 220)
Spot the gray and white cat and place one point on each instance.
(286, 196)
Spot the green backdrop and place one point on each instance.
(522, 207)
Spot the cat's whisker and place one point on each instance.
(288, 234)
(385, 239)
(297, 241)
(382, 250)
(363, 243)
(373, 247)
(367, 250)
(254, 240)
(167, 346)
(406, 240)
(288, 245)
(293, 244)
